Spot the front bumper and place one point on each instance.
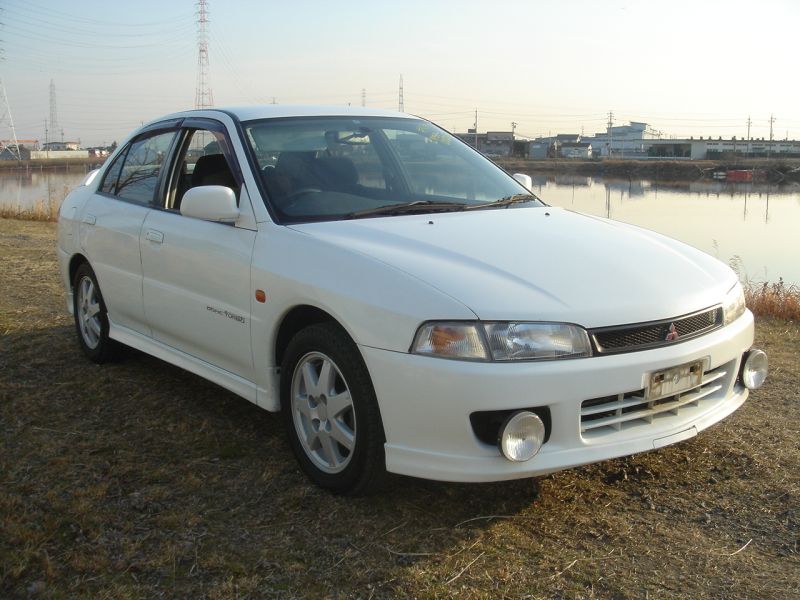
(426, 404)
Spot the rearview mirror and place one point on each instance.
(525, 180)
(210, 203)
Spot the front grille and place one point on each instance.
(642, 336)
(610, 414)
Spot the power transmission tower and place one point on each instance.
(53, 108)
(203, 98)
(5, 115)
(400, 106)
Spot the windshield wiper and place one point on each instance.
(416, 206)
(506, 201)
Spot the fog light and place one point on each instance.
(754, 369)
(521, 436)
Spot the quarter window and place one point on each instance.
(138, 177)
(112, 174)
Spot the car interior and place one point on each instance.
(209, 168)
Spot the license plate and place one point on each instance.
(674, 380)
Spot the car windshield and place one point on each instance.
(329, 168)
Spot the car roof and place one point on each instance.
(272, 111)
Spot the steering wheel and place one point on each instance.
(293, 198)
(294, 195)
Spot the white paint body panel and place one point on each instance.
(111, 243)
(183, 290)
(197, 288)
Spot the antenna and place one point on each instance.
(400, 105)
(6, 115)
(203, 98)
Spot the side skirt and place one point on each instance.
(238, 385)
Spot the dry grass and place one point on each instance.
(139, 480)
(776, 300)
(41, 210)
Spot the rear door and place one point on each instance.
(111, 224)
(196, 274)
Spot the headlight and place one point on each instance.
(733, 306)
(537, 341)
(502, 341)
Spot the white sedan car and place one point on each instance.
(406, 304)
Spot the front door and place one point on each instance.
(196, 274)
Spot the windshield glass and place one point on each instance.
(326, 168)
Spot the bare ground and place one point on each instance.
(139, 480)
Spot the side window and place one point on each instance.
(112, 174)
(205, 159)
(138, 177)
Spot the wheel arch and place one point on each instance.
(76, 261)
(296, 319)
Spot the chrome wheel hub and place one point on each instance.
(88, 312)
(323, 412)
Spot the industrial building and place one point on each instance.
(636, 141)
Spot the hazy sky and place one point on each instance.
(687, 68)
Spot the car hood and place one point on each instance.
(540, 263)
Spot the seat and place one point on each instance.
(339, 173)
(295, 171)
(213, 169)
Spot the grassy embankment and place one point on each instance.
(138, 480)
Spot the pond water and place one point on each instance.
(755, 226)
(26, 187)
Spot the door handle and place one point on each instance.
(154, 236)
(89, 219)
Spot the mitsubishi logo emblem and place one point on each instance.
(672, 333)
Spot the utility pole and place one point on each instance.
(400, 104)
(610, 134)
(769, 148)
(46, 139)
(363, 96)
(513, 129)
(748, 135)
(476, 129)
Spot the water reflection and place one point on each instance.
(25, 187)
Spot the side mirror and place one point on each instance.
(525, 180)
(210, 203)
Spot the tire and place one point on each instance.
(91, 317)
(323, 372)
